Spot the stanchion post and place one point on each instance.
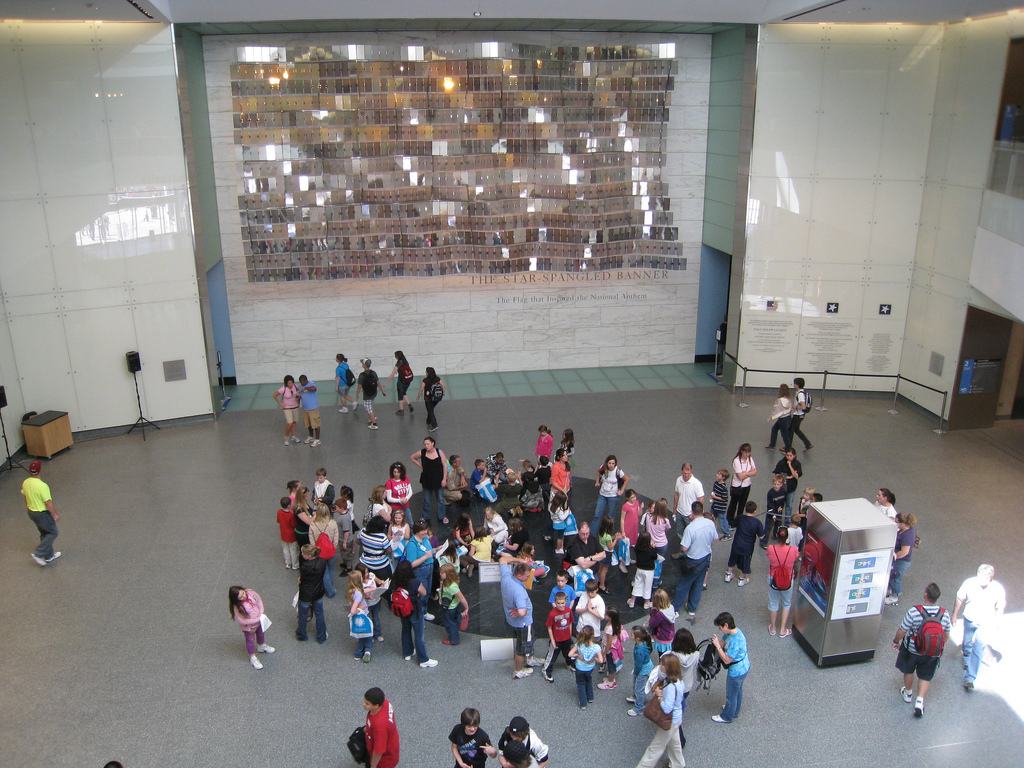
(895, 394)
(743, 396)
(942, 414)
(824, 384)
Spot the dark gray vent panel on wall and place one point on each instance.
(174, 370)
(936, 363)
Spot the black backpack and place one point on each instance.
(350, 378)
(357, 746)
(709, 664)
(436, 391)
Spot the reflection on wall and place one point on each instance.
(425, 160)
(152, 215)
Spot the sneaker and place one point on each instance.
(524, 672)
(728, 578)
(919, 707)
(428, 664)
(583, 706)
(632, 712)
(533, 661)
(265, 648)
(399, 412)
(308, 440)
(380, 639)
(907, 694)
(53, 557)
(742, 582)
(428, 616)
(295, 439)
(892, 600)
(355, 407)
(408, 658)
(624, 568)
(551, 678)
(366, 658)
(968, 686)
(607, 686)
(314, 444)
(446, 641)
(433, 429)
(343, 410)
(630, 700)
(256, 663)
(38, 559)
(719, 719)
(725, 537)
(547, 538)
(287, 441)
(373, 426)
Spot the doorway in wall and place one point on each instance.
(712, 300)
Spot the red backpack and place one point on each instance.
(404, 372)
(930, 637)
(401, 605)
(782, 578)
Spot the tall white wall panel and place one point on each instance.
(837, 177)
(97, 257)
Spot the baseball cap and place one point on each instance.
(35, 467)
(366, 361)
(518, 725)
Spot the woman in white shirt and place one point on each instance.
(743, 471)
(782, 415)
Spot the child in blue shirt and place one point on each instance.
(562, 587)
(642, 668)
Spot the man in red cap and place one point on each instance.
(41, 511)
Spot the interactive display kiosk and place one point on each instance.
(844, 572)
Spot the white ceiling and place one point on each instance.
(727, 11)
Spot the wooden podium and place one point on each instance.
(47, 433)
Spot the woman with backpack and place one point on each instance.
(782, 559)
(403, 371)
(409, 603)
(343, 379)
(432, 391)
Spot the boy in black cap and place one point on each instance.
(519, 730)
(369, 385)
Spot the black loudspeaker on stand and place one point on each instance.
(134, 366)
(10, 463)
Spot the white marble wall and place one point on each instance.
(455, 323)
(837, 177)
(96, 256)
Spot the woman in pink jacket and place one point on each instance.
(246, 609)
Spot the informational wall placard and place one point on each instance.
(860, 584)
(829, 345)
(980, 376)
(816, 572)
(771, 335)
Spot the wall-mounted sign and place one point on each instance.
(980, 376)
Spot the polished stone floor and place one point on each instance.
(124, 648)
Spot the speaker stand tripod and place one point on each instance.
(142, 421)
(11, 463)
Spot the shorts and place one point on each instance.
(742, 559)
(910, 663)
(522, 638)
(290, 416)
(311, 419)
(403, 387)
(343, 391)
(368, 405)
(775, 596)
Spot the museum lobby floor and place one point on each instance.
(124, 649)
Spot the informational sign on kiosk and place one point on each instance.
(860, 584)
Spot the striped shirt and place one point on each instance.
(720, 505)
(375, 549)
(913, 621)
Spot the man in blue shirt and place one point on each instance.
(518, 609)
(698, 537)
(732, 651)
(310, 406)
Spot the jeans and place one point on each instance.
(970, 629)
(375, 618)
(691, 586)
(974, 650)
(47, 533)
(606, 505)
(430, 495)
(794, 430)
(723, 522)
(682, 520)
(639, 692)
(789, 505)
(431, 419)
(585, 686)
(451, 618)
(412, 633)
(663, 551)
(733, 697)
(363, 645)
(318, 613)
(899, 567)
(782, 423)
(329, 589)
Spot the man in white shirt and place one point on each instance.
(981, 599)
(688, 490)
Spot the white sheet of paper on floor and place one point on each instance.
(490, 573)
(496, 649)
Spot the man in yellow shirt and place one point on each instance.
(41, 511)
